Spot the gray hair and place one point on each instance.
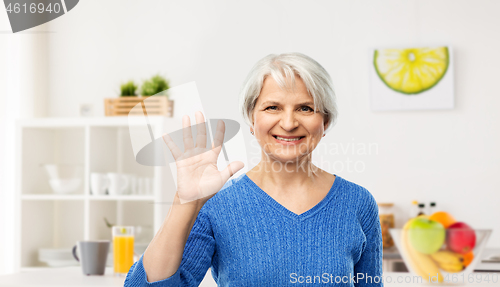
(315, 77)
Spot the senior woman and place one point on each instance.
(284, 222)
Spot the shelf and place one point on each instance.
(117, 212)
(49, 146)
(123, 197)
(49, 224)
(52, 197)
(100, 145)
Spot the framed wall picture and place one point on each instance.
(411, 78)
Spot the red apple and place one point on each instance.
(460, 238)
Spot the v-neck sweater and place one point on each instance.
(249, 239)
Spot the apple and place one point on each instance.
(425, 235)
(460, 238)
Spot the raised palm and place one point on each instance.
(197, 173)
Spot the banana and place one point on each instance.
(421, 263)
(404, 242)
(452, 268)
(428, 266)
(447, 257)
(449, 261)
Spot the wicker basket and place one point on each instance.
(154, 106)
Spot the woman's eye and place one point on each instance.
(303, 109)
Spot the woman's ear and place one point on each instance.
(327, 123)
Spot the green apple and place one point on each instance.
(425, 235)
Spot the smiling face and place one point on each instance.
(285, 123)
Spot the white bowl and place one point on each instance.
(64, 178)
(64, 186)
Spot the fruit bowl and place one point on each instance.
(438, 255)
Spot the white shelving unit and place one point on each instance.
(49, 220)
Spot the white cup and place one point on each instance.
(118, 183)
(99, 182)
(133, 185)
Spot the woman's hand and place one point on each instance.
(197, 173)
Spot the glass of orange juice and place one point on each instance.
(123, 249)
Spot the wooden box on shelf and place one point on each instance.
(153, 106)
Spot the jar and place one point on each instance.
(385, 211)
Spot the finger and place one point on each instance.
(216, 149)
(231, 169)
(174, 150)
(186, 133)
(201, 131)
(219, 133)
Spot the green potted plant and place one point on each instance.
(128, 89)
(158, 86)
(153, 86)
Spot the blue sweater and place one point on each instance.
(249, 239)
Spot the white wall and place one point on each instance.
(451, 156)
(24, 84)
(6, 198)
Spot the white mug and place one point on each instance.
(132, 184)
(118, 183)
(99, 182)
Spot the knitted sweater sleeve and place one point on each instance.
(196, 260)
(368, 270)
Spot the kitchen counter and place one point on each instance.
(72, 276)
(64, 276)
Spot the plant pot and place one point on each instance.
(139, 106)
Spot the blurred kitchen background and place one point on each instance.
(48, 74)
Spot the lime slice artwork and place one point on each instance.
(411, 71)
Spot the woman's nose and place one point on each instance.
(288, 121)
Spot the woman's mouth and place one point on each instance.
(288, 140)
